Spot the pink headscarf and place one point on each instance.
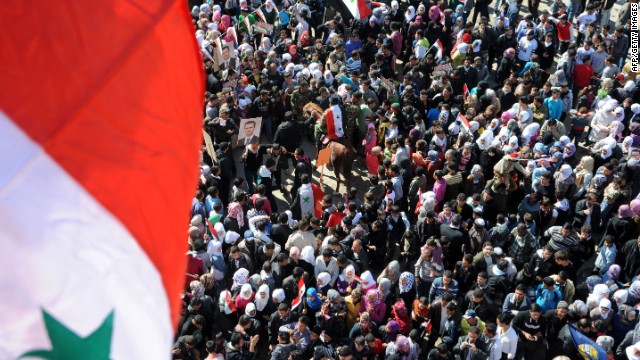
(624, 211)
(505, 117)
(216, 16)
(434, 13)
(225, 22)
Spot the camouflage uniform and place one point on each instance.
(299, 100)
(351, 120)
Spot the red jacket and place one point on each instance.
(582, 74)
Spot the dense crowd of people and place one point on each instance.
(502, 209)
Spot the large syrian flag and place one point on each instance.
(99, 119)
(353, 9)
(333, 117)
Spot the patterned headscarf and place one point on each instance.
(408, 285)
(402, 344)
(208, 280)
(374, 297)
(240, 278)
(197, 289)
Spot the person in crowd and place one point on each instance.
(485, 225)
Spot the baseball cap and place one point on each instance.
(469, 314)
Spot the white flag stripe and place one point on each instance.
(61, 251)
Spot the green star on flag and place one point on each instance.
(66, 344)
(305, 199)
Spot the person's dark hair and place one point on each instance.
(235, 338)
(535, 308)
(491, 328)
(210, 346)
(369, 338)
(195, 301)
(478, 293)
(474, 329)
(448, 297)
(283, 307)
(285, 336)
(521, 287)
(244, 320)
(451, 306)
(561, 255)
(297, 272)
(296, 355)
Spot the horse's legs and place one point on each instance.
(336, 170)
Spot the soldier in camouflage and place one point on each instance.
(301, 97)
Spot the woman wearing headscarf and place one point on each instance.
(354, 306)
(278, 297)
(225, 23)
(390, 331)
(406, 290)
(240, 277)
(600, 291)
(347, 280)
(604, 313)
(475, 181)
(209, 283)
(313, 304)
(564, 180)
(308, 255)
(623, 321)
(391, 272)
(374, 304)
(367, 282)
(584, 174)
(323, 283)
(620, 226)
(264, 304)
(245, 296)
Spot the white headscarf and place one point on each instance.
(307, 255)
(260, 302)
(323, 280)
(367, 281)
(345, 274)
(605, 303)
(278, 294)
(410, 14)
(250, 307)
(485, 139)
(246, 291)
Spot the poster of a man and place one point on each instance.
(249, 131)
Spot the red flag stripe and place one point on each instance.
(108, 111)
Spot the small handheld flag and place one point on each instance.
(301, 290)
(464, 122)
(229, 301)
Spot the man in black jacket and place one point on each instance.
(587, 209)
(530, 327)
(235, 347)
(471, 346)
(282, 316)
(227, 171)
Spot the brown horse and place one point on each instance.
(342, 152)
(342, 158)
